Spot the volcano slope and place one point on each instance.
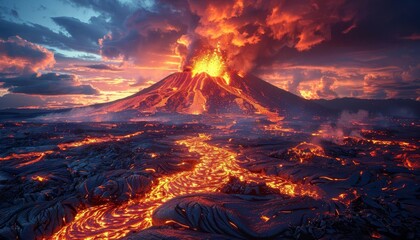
(183, 93)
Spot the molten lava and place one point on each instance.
(27, 158)
(95, 140)
(214, 170)
(212, 63)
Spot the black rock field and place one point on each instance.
(222, 179)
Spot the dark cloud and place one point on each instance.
(380, 32)
(20, 56)
(42, 35)
(148, 35)
(82, 36)
(14, 13)
(390, 86)
(412, 73)
(47, 84)
(42, 7)
(381, 23)
(19, 62)
(100, 67)
(325, 90)
(16, 100)
(115, 10)
(81, 32)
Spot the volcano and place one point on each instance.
(186, 93)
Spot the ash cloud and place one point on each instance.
(249, 33)
(258, 35)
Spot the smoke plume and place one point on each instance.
(249, 33)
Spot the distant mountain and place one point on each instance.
(387, 107)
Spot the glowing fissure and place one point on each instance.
(34, 157)
(95, 140)
(210, 174)
(28, 158)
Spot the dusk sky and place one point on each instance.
(68, 53)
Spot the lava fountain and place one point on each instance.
(211, 62)
(214, 169)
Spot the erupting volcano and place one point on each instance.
(208, 87)
(252, 166)
(220, 120)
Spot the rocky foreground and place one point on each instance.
(241, 180)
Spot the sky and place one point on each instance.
(69, 53)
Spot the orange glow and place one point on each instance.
(375, 235)
(31, 157)
(409, 161)
(92, 140)
(278, 127)
(265, 218)
(306, 151)
(308, 94)
(212, 63)
(346, 198)
(213, 171)
(39, 178)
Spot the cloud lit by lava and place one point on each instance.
(249, 33)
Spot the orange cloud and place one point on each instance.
(247, 31)
(20, 56)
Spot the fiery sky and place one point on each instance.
(77, 52)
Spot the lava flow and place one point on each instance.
(28, 158)
(94, 140)
(213, 171)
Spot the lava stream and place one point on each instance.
(215, 167)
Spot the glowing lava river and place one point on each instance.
(149, 180)
(214, 169)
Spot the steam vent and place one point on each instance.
(196, 120)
